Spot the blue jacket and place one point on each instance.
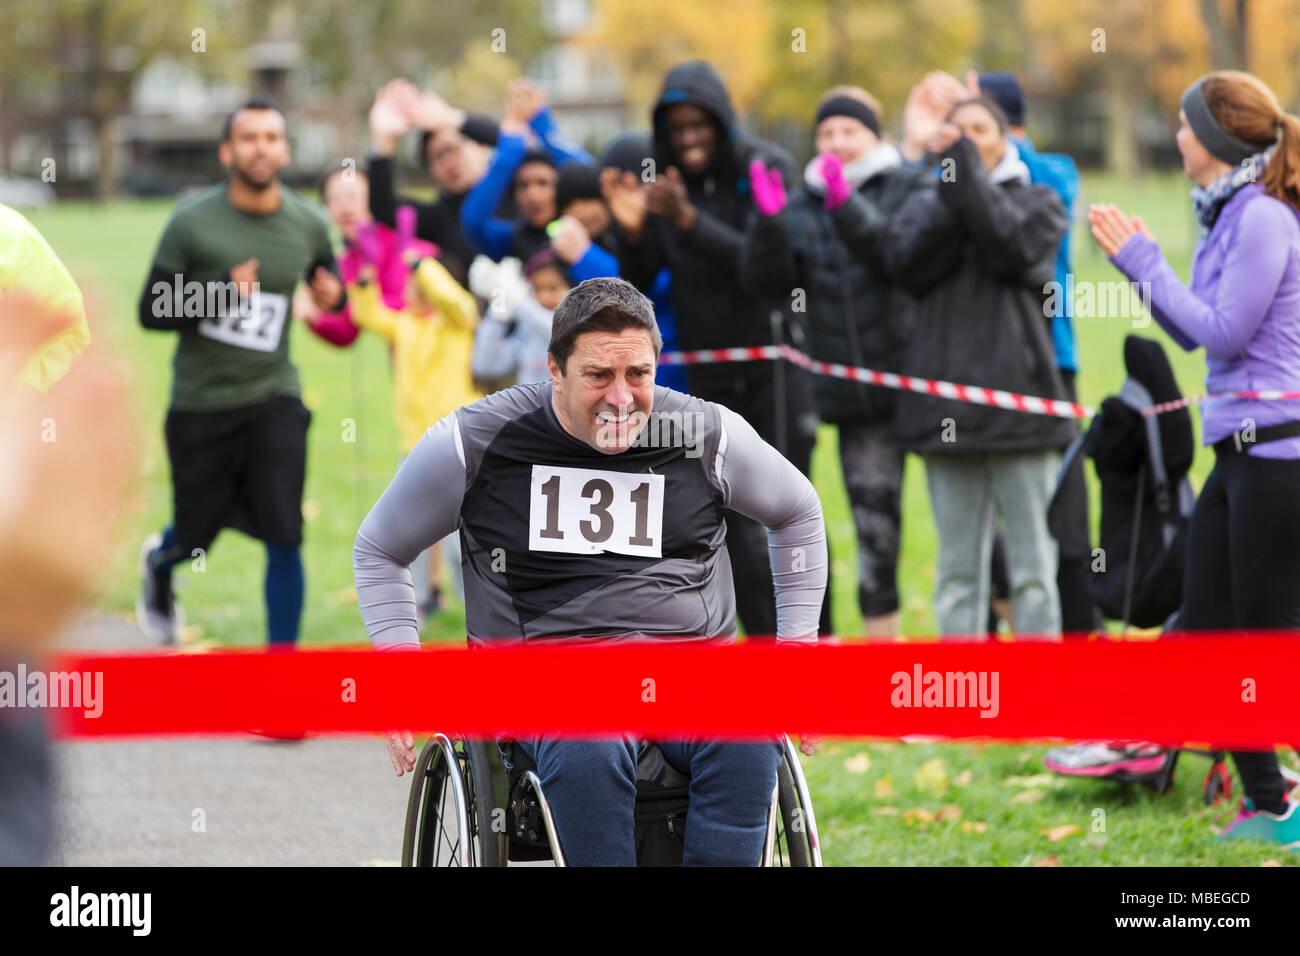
(499, 238)
(1058, 172)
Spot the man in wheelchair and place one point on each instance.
(590, 509)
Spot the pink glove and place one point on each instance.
(405, 220)
(837, 187)
(768, 189)
(370, 244)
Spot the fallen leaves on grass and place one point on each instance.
(887, 811)
(1027, 796)
(1058, 833)
(949, 811)
(917, 815)
(968, 827)
(962, 779)
(1035, 780)
(884, 787)
(931, 777)
(858, 763)
(1047, 861)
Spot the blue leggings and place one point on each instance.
(283, 590)
(591, 788)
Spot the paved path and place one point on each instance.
(321, 801)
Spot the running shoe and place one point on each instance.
(1102, 759)
(1252, 824)
(156, 610)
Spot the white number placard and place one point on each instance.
(258, 325)
(585, 511)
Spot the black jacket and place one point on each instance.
(977, 256)
(713, 309)
(855, 312)
(438, 221)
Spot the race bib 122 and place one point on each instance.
(258, 324)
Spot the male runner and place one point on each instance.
(590, 507)
(236, 429)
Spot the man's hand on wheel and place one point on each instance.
(401, 749)
(808, 743)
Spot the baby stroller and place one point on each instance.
(1137, 574)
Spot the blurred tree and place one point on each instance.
(1273, 47)
(646, 39)
(1227, 34)
(28, 71)
(779, 56)
(1131, 49)
(101, 46)
(466, 51)
(877, 44)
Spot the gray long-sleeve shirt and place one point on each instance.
(562, 540)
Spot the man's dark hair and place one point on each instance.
(256, 103)
(993, 109)
(600, 305)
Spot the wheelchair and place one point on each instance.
(467, 809)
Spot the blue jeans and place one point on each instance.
(591, 788)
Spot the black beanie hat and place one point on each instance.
(535, 155)
(576, 181)
(1005, 90)
(850, 107)
(628, 152)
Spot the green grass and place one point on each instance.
(108, 248)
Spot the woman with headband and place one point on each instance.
(1243, 307)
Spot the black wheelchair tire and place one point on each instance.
(794, 828)
(429, 779)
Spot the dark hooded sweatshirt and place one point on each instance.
(713, 310)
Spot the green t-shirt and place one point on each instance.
(229, 360)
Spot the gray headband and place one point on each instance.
(1219, 142)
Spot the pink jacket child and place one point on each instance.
(383, 246)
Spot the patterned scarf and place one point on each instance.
(1210, 200)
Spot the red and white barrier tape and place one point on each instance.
(1239, 691)
(973, 394)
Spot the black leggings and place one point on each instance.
(1243, 571)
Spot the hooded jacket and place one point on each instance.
(855, 314)
(978, 255)
(713, 309)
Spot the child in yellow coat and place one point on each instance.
(432, 339)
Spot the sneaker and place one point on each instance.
(1252, 824)
(156, 610)
(1100, 759)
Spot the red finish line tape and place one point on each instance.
(972, 394)
(1238, 692)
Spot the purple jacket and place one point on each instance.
(1243, 308)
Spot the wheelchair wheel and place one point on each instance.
(796, 841)
(450, 814)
